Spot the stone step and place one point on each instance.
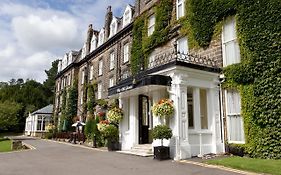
(144, 150)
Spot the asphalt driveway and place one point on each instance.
(51, 158)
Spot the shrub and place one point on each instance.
(236, 149)
(162, 132)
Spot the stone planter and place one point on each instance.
(161, 152)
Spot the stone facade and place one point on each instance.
(186, 77)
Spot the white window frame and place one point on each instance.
(151, 24)
(82, 77)
(180, 4)
(101, 37)
(127, 16)
(113, 31)
(227, 62)
(100, 67)
(94, 43)
(182, 47)
(84, 51)
(151, 60)
(91, 72)
(111, 82)
(99, 90)
(69, 79)
(111, 61)
(126, 53)
(228, 120)
(81, 98)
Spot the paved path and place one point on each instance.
(50, 158)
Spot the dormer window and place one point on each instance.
(127, 16)
(94, 43)
(84, 51)
(113, 27)
(101, 37)
(70, 57)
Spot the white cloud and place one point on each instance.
(35, 33)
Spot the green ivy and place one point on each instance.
(143, 44)
(91, 98)
(258, 76)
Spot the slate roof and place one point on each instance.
(46, 110)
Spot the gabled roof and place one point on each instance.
(46, 110)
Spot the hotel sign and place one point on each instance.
(125, 88)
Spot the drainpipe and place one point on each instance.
(222, 79)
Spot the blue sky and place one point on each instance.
(35, 32)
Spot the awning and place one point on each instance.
(133, 83)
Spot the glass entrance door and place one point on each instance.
(144, 119)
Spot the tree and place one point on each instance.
(9, 115)
(50, 82)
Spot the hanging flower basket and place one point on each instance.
(164, 108)
(115, 115)
(102, 125)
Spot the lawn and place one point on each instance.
(5, 145)
(248, 164)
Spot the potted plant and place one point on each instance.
(161, 132)
(110, 133)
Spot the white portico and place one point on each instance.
(196, 122)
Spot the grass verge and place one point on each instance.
(5, 145)
(255, 165)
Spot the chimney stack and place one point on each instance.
(108, 19)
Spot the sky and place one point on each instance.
(33, 33)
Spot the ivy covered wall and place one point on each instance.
(258, 76)
(143, 44)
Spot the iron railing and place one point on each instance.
(170, 56)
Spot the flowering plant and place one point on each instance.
(102, 125)
(115, 115)
(164, 108)
(50, 127)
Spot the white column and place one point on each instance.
(180, 148)
(214, 120)
(134, 122)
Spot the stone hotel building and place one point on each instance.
(205, 114)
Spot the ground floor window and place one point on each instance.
(190, 108)
(235, 127)
(203, 109)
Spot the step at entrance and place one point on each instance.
(144, 150)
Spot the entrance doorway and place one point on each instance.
(144, 119)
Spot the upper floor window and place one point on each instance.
(127, 16)
(151, 25)
(94, 43)
(112, 59)
(100, 67)
(99, 90)
(91, 72)
(151, 60)
(180, 8)
(81, 98)
(182, 45)
(231, 51)
(111, 82)
(101, 37)
(69, 79)
(82, 77)
(113, 27)
(235, 128)
(126, 53)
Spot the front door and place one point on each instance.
(143, 119)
